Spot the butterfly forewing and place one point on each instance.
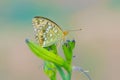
(46, 31)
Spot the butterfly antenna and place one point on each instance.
(75, 30)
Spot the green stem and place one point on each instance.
(69, 76)
(69, 73)
(53, 78)
(61, 72)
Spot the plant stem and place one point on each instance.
(53, 78)
(61, 72)
(69, 76)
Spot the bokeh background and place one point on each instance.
(97, 45)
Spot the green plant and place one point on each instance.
(53, 62)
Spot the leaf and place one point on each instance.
(47, 55)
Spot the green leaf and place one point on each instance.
(47, 55)
(50, 70)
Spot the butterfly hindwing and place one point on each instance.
(46, 31)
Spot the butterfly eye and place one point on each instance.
(65, 32)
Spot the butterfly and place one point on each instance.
(47, 32)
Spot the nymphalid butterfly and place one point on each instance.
(47, 32)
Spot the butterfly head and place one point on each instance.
(65, 33)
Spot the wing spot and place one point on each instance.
(55, 31)
(50, 35)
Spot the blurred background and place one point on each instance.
(97, 45)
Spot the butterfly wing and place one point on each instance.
(46, 31)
